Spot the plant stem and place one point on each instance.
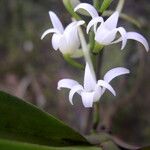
(89, 121)
(87, 56)
(96, 118)
(73, 62)
(97, 105)
(99, 64)
(86, 51)
(120, 5)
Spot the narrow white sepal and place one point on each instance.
(55, 41)
(89, 79)
(113, 73)
(87, 99)
(56, 22)
(89, 8)
(66, 83)
(123, 37)
(107, 86)
(74, 89)
(97, 93)
(94, 22)
(63, 45)
(111, 22)
(71, 36)
(138, 37)
(52, 30)
(104, 36)
(123, 33)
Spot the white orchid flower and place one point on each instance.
(106, 32)
(66, 40)
(92, 90)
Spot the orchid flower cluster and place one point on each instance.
(70, 41)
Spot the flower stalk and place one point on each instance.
(120, 6)
(86, 50)
(73, 62)
(96, 116)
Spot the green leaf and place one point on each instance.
(105, 5)
(21, 121)
(11, 145)
(97, 3)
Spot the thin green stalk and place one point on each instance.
(73, 62)
(87, 56)
(99, 64)
(86, 51)
(96, 105)
(120, 5)
(70, 9)
(96, 116)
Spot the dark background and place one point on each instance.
(30, 69)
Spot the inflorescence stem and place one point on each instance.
(120, 5)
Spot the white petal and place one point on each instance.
(108, 38)
(107, 86)
(69, 26)
(56, 22)
(74, 24)
(117, 41)
(66, 83)
(71, 36)
(87, 99)
(89, 8)
(94, 21)
(138, 37)
(49, 31)
(104, 36)
(111, 22)
(123, 37)
(89, 79)
(71, 30)
(111, 74)
(123, 32)
(97, 93)
(77, 88)
(63, 45)
(55, 41)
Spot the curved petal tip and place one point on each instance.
(138, 37)
(107, 86)
(89, 8)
